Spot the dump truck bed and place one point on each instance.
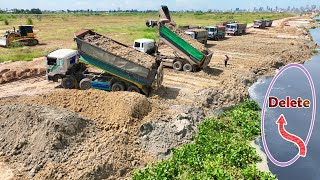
(102, 52)
(188, 51)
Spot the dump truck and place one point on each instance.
(236, 29)
(195, 32)
(268, 23)
(259, 24)
(189, 55)
(201, 35)
(120, 72)
(216, 32)
(24, 35)
(145, 45)
(151, 23)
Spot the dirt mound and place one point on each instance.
(111, 110)
(120, 50)
(20, 70)
(111, 149)
(161, 136)
(33, 135)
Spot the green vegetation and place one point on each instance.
(6, 22)
(29, 21)
(315, 51)
(20, 54)
(220, 150)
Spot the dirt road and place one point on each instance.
(124, 140)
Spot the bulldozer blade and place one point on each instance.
(3, 42)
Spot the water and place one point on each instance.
(293, 83)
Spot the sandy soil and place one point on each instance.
(175, 109)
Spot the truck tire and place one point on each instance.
(117, 86)
(177, 65)
(68, 82)
(35, 42)
(187, 67)
(85, 84)
(133, 88)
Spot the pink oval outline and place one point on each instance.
(283, 69)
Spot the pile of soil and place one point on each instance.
(109, 149)
(20, 70)
(111, 110)
(121, 50)
(33, 135)
(161, 136)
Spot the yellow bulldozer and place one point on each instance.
(24, 35)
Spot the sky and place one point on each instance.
(151, 4)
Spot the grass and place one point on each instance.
(220, 150)
(20, 54)
(57, 30)
(29, 21)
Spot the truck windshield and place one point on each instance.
(136, 44)
(231, 26)
(210, 29)
(51, 61)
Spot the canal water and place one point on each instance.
(293, 83)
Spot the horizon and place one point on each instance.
(142, 5)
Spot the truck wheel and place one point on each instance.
(187, 67)
(68, 82)
(55, 78)
(177, 65)
(35, 42)
(133, 89)
(85, 84)
(117, 86)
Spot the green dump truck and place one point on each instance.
(187, 57)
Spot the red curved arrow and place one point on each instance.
(290, 137)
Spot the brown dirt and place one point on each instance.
(122, 51)
(20, 70)
(33, 135)
(133, 130)
(111, 147)
(111, 111)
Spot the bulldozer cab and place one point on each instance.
(25, 30)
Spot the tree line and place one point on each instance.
(23, 11)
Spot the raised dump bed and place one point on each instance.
(124, 68)
(197, 58)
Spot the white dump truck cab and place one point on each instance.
(145, 45)
(59, 62)
(212, 31)
(191, 34)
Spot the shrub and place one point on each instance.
(29, 21)
(6, 22)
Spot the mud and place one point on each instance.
(120, 50)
